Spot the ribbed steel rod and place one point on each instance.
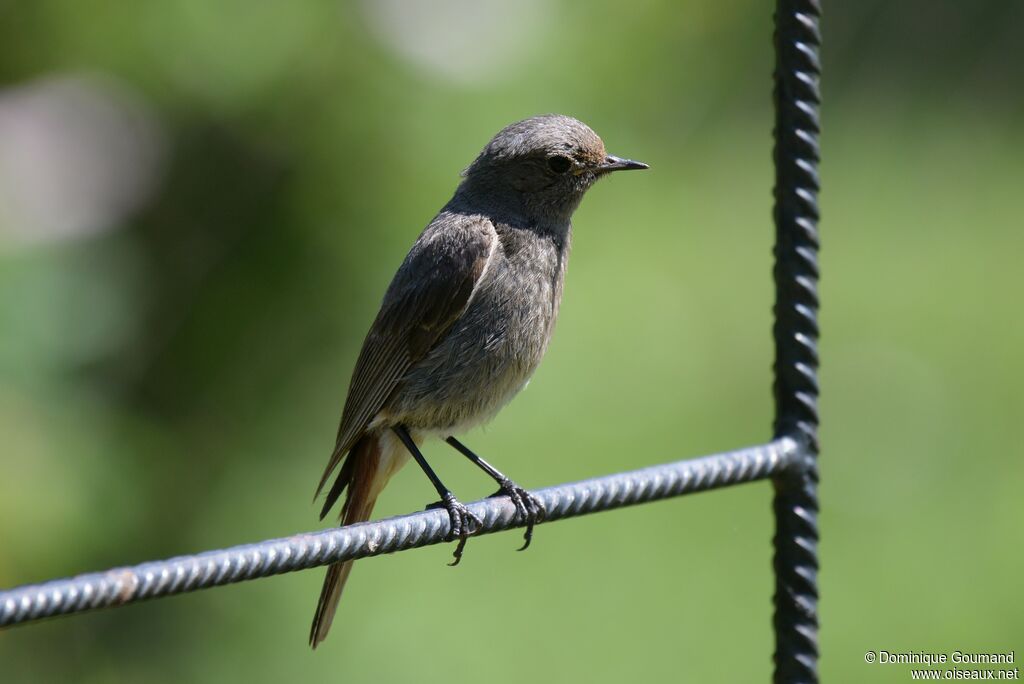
(797, 102)
(251, 561)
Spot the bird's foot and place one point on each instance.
(529, 508)
(463, 523)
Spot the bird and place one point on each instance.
(464, 325)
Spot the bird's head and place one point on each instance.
(542, 166)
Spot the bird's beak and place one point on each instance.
(613, 163)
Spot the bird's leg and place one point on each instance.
(529, 508)
(463, 523)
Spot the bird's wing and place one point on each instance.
(431, 290)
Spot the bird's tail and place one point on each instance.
(367, 468)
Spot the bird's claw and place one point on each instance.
(529, 508)
(463, 523)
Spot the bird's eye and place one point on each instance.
(559, 164)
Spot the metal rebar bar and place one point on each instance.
(797, 100)
(276, 556)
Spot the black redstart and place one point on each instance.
(464, 323)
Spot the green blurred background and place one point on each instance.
(201, 204)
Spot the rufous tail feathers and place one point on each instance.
(363, 475)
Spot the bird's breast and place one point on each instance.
(492, 350)
(518, 301)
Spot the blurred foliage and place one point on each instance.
(171, 381)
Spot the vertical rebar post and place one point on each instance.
(797, 101)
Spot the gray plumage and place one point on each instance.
(469, 314)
